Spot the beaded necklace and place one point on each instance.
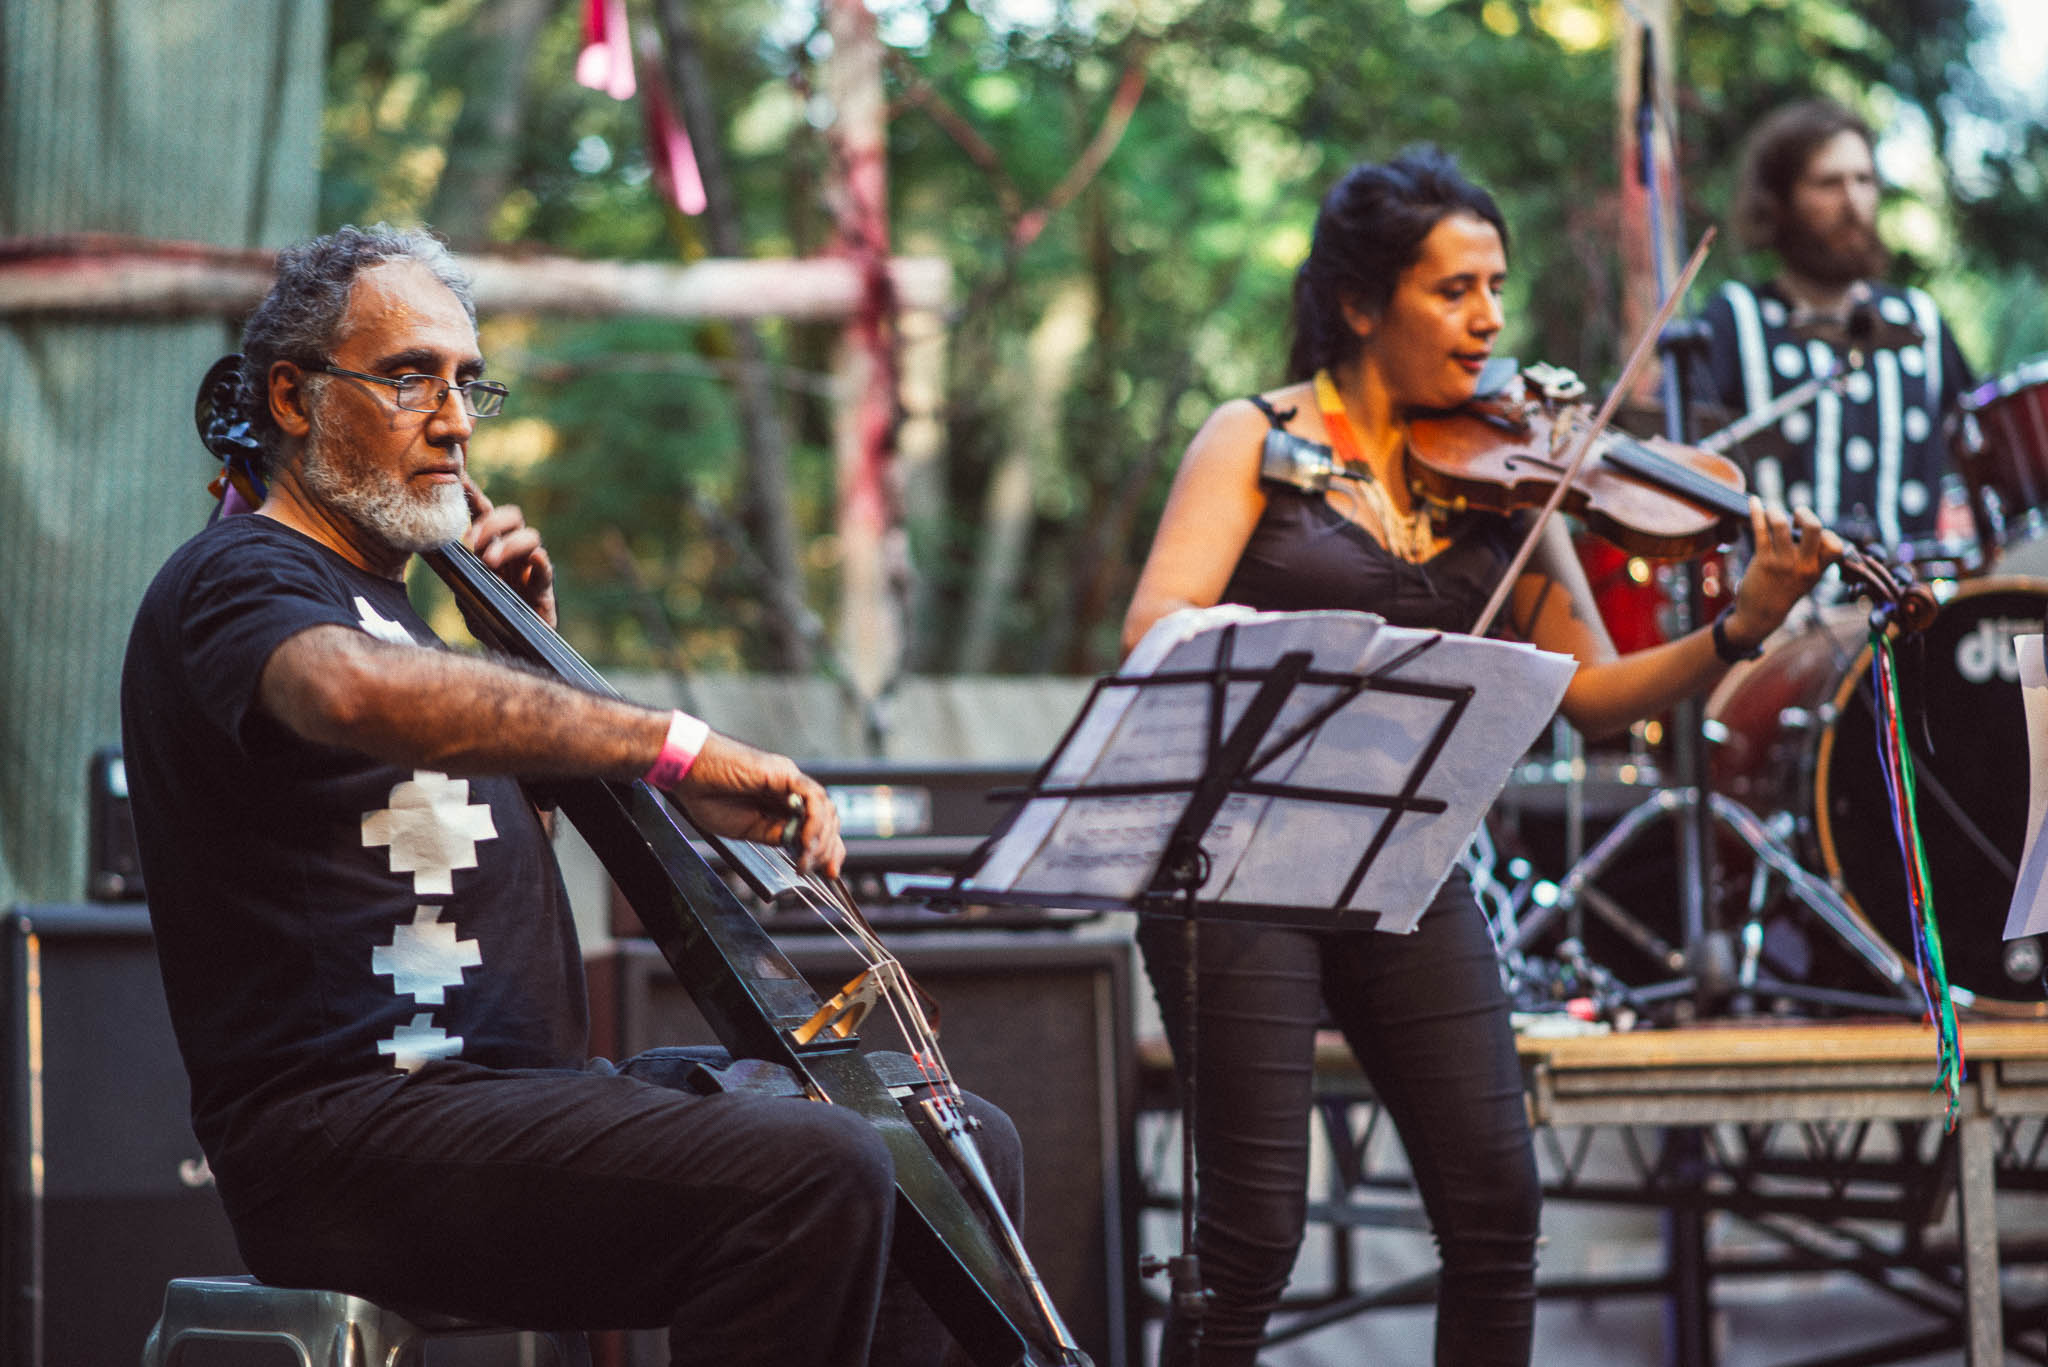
(1410, 535)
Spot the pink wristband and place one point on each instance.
(685, 738)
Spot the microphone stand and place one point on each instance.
(1688, 1340)
(1708, 955)
(1707, 964)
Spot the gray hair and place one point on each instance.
(298, 319)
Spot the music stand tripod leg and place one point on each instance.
(1183, 871)
(1184, 1270)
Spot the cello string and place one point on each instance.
(770, 865)
(835, 907)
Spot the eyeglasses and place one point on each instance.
(426, 393)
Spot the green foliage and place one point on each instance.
(1180, 249)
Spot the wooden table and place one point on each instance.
(1821, 1071)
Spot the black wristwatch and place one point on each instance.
(1726, 648)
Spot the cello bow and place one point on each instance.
(967, 1263)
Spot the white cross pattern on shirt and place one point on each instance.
(418, 1042)
(432, 829)
(424, 957)
(379, 626)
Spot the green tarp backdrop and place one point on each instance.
(195, 121)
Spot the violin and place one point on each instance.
(1652, 497)
(1506, 452)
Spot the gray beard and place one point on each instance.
(381, 506)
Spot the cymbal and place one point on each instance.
(1861, 328)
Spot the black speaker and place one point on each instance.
(107, 1196)
(113, 870)
(1036, 1021)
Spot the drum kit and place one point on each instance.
(1808, 892)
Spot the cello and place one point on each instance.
(955, 1241)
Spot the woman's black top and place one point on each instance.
(1304, 554)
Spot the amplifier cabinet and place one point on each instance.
(1038, 1022)
(107, 1196)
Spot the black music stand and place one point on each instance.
(1183, 828)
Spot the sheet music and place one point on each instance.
(1108, 847)
(1284, 851)
(1371, 747)
(2029, 913)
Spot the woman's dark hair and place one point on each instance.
(297, 320)
(1775, 156)
(1369, 230)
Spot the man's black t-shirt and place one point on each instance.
(322, 917)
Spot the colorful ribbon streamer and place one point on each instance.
(1895, 762)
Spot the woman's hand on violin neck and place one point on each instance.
(1790, 557)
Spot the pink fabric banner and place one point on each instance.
(606, 62)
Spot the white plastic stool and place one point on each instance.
(325, 1328)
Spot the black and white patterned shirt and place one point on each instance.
(1870, 460)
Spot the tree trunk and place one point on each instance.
(873, 564)
(1054, 349)
(765, 476)
(485, 142)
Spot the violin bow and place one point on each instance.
(1646, 345)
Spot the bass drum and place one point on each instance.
(1796, 735)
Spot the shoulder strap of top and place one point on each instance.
(1279, 417)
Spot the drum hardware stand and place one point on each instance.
(1778, 409)
(1578, 895)
(1688, 1340)
(1725, 967)
(1709, 965)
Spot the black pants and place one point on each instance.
(757, 1228)
(1426, 1016)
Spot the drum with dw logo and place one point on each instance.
(1797, 736)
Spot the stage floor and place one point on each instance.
(1826, 1208)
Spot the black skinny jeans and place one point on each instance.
(1426, 1017)
(757, 1228)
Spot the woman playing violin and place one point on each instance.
(1397, 308)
